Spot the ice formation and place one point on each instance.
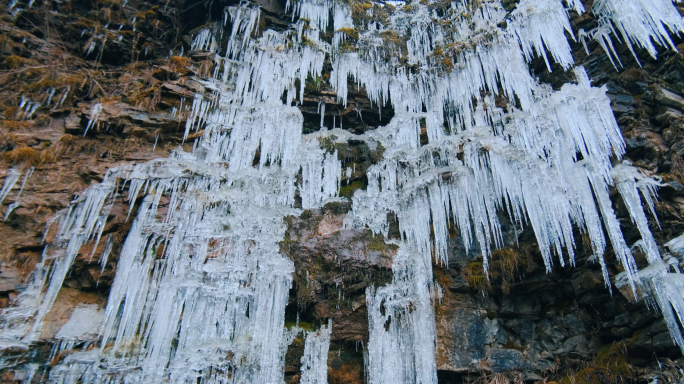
(10, 180)
(676, 245)
(315, 358)
(201, 288)
(401, 324)
(7, 188)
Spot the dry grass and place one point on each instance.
(476, 279)
(499, 379)
(25, 156)
(610, 366)
(69, 145)
(13, 125)
(504, 266)
(179, 63)
(509, 377)
(351, 32)
(14, 62)
(54, 78)
(347, 374)
(206, 68)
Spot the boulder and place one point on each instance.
(669, 98)
(663, 341)
(9, 278)
(505, 360)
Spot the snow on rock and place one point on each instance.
(84, 323)
(676, 245)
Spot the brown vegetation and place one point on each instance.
(504, 266)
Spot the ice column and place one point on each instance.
(401, 323)
(315, 358)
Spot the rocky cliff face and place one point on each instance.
(61, 59)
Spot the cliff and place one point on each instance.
(89, 86)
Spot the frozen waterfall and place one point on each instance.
(201, 288)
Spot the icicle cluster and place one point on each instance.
(201, 289)
(315, 358)
(401, 324)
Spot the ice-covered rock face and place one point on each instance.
(201, 288)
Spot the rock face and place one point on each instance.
(530, 325)
(333, 267)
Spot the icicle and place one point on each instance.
(640, 22)
(626, 183)
(315, 358)
(10, 180)
(320, 178)
(15, 204)
(94, 115)
(204, 41)
(402, 325)
(50, 94)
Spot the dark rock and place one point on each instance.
(669, 98)
(501, 337)
(587, 281)
(471, 331)
(663, 341)
(521, 306)
(678, 148)
(571, 343)
(640, 320)
(574, 324)
(621, 332)
(657, 327)
(668, 115)
(506, 359)
(531, 376)
(642, 345)
(551, 335)
(621, 98)
(619, 108)
(668, 135)
(524, 328)
(621, 319)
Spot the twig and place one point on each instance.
(96, 83)
(22, 70)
